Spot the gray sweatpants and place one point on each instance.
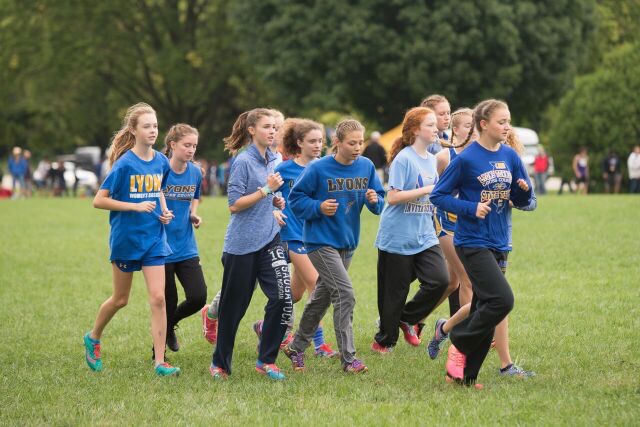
(333, 287)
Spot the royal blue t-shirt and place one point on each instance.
(290, 171)
(407, 228)
(135, 235)
(480, 175)
(181, 189)
(325, 179)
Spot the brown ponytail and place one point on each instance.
(240, 135)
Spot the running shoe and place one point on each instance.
(270, 370)
(379, 348)
(209, 326)
(355, 367)
(218, 374)
(326, 351)
(92, 353)
(456, 363)
(296, 357)
(433, 348)
(287, 339)
(514, 370)
(165, 370)
(410, 335)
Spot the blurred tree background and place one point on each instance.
(69, 68)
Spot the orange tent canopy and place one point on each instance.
(387, 138)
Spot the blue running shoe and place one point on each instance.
(433, 348)
(515, 371)
(92, 353)
(270, 370)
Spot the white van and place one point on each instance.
(528, 138)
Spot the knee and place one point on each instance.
(198, 300)
(505, 303)
(120, 302)
(156, 301)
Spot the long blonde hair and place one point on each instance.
(124, 139)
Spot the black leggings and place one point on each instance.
(395, 274)
(492, 301)
(191, 278)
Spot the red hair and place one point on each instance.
(411, 123)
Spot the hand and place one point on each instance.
(372, 196)
(144, 206)
(279, 202)
(274, 181)
(523, 184)
(329, 207)
(428, 189)
(483, 209)
(195, 220)
(280, 218)
(166, 216)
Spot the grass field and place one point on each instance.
(575, 273)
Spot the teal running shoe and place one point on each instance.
(92, 353)
(166, 370)
(270, 370)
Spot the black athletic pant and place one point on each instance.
(454, 301)
(269, 266)
(492, 301)
(191, 278)
(395, 274)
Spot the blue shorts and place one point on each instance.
(295, 246)
(444, 223)
(129, 266)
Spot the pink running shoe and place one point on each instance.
(209, 326)
(286, 341)
(326, 351)
(378, 348)
(410, 334)
(456, 363)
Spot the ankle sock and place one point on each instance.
(506, 368)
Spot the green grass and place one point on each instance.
(575, 273)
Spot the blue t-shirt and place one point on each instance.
(290, 171)
(135, 235)
(480, 175)
(181, 189)
(328, 179)
(253, 228)
(407, 228)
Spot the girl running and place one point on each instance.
(252, 248)
(133, 193)
(407, 243)
(302, 142)
(329, 197)
(501, 336)
(183, 197)
(487, 175)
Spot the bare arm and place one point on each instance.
(103, 201)
(397, 197)
(442, 159)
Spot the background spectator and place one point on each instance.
(611, 173)
(377, 154)
(541, 170)
(634, 170)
